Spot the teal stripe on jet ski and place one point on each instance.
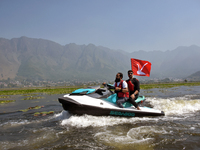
(113, 98)
(83, 90)
(140, 98)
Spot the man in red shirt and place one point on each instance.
(121, 89)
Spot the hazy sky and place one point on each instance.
(129, 25)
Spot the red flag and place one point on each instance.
(140, 67)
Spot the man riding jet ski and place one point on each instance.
(126, 90)
(102, 102)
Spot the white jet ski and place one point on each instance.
(98, 101)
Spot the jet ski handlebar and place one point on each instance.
(108, 86)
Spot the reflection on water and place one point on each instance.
(179, 129)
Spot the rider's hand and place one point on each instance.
(117, 88)
(133, 96)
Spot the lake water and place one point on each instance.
(178, 129)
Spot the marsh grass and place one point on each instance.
(36, 107)
(50, 91)
(4, 96)
(33, 97)
(168, 85)
(44, 113)
(6, 101)
(64, 90)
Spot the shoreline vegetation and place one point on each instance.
(66, 89)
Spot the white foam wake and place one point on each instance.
(176, 106)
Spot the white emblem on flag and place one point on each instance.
(140, 70)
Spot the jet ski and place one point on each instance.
(99, 101)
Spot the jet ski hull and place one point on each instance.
(77, 106)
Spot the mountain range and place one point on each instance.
(194, 77)
(40, 59)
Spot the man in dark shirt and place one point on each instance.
(134, 88)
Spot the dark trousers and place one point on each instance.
(132, 101)
(122, 100)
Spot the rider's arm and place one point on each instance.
(137, 86)
(125, 90)
(125, 87)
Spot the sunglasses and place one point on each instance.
(130, 73)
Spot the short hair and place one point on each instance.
(120, 74)
(130, 71)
